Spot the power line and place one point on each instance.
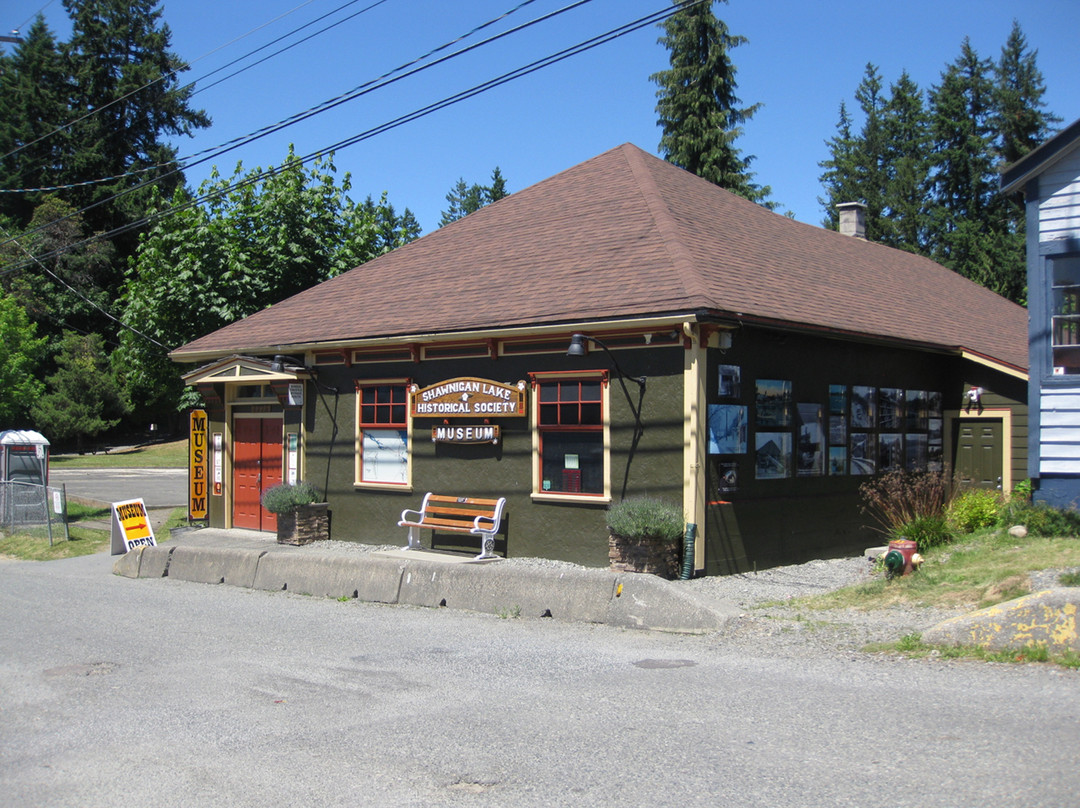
(187, 65)
(217, 151)
(641, 22)
(77, 293)
(356, 92)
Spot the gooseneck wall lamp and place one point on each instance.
(577, 349)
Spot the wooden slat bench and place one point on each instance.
(438, 513)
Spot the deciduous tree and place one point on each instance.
(20, 352)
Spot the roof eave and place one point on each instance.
(1014, 177)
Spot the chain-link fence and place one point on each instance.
(34, 509)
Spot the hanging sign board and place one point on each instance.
(468, 396)
(131, 526)
(197, 461)
(481, 433)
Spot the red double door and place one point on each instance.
(256, 467)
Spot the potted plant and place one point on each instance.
(643, 536)
(301, 517)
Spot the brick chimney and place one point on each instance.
(852, 219)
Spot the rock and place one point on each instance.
(1018, 531)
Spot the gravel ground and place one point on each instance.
(767, 620)
(771, 621)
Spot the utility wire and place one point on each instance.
(182, 163)
(187, 65)
(532, 67)
(77, 293)
(356, 92)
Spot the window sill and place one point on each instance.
(577, 499)
(406, 487)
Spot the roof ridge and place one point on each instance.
(670, 233)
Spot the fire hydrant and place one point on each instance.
(902, 557)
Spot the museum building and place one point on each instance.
(621, 329)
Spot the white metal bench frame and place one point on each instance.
(439, 513)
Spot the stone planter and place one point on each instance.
(647, 554)
(304, 524)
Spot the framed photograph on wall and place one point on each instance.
(935, 456)
(730, 381)
(773, 455)
(773, 403)
(727, 478)
(890, 451)
(915, 408)
(890, 409)
(810, 454)
(837, 460)
(933, 404)
(837, 399)
(917, 449)
(837, 430)
(727, 429)
(934, 425)
(863, 457)
(863, 407)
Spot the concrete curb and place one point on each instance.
(1041, 618)
(421, 579)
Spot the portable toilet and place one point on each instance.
(24, 457)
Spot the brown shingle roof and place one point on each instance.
(626, 234)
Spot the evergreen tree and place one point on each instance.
(82, 399)
(464, 199)
(33, 84)
(1019, 119)
(124, 75)
(905, 160)
(63, 289)
(967, 233)
(1021, 123)
(698, 109)
(497, 189)
(839, 178)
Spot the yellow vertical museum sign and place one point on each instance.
(197, 476)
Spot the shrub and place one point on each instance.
(897, 498)
(286, 496)
(644, 517)
(973, 509)
(1040, 519)
(1023, 490)
(926, 531)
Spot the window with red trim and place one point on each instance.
(383, 427)
(570, 420)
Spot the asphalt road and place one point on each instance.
(120, 692)
(157, 487)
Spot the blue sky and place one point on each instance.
(802, 59)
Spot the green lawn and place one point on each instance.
(33, 544)
(156, 455)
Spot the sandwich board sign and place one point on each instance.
(131, 526)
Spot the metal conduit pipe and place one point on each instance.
(688, 552)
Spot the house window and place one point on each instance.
(382, 438)
(1065, 313)
(572, 457)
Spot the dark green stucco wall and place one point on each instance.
(759, 524)
(782, 521)
(569, 531)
